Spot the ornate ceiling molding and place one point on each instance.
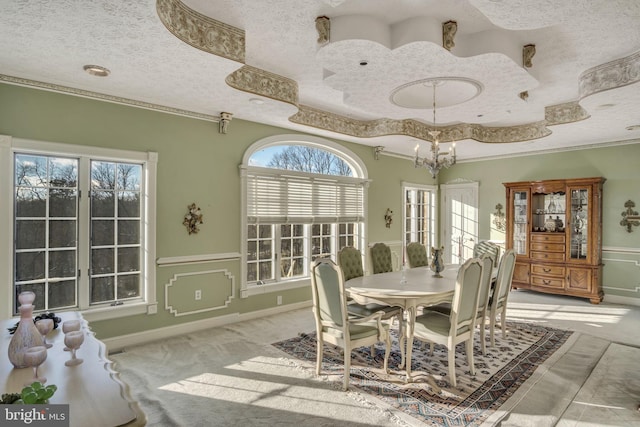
(260, 82)
(202, 32)
(610, 75)
(320, 119)
(564, 113)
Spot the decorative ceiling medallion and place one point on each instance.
(451, 91)
(202, 32)
(260, 82)
(565, 113)
(611, 75)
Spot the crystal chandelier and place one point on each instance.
(437, 160)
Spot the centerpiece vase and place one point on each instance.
(437, 263)
(25, 336)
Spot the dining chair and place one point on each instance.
(484, 247)
(484, 292)
(334, 325)
(350, 262)
(381, 258)
(498, 300)
(417, 255)
(449, 330)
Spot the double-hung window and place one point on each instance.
(82, 235)
(303, 200)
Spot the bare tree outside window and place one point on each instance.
(308, 159)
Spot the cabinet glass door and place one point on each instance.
(579, 233)
(520, 222)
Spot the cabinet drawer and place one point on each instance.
(551, 247)
(549, 256)
(548, 270)
(549, 282)
(547, 237)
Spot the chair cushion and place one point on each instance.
(357, 331)
(363, 310)
(432, 321)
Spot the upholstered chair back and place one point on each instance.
(350, 261)
(381, 258)
(485, 247)
(417, 255)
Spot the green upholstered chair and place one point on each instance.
(498, 300)
(483, 299)
(486, 247)
(381, 258)
(417, 255)
(449, 330)
(335, 325)
(350, 262)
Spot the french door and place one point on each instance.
(459, 220)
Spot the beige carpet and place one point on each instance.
(232, 376)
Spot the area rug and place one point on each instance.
(430, 398)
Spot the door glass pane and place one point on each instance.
(579, 227)
(520, 208)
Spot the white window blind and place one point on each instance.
(279, 198)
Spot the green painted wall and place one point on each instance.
(197, 164)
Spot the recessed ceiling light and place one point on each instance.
(96, 70)
(633, 127)
(364, 62)
(256, 101)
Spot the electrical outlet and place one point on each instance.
(198, 295)
(279, 299)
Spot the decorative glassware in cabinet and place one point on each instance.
(520, 208)
(579, 230)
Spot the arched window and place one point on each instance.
(305, 198)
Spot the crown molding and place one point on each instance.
(18, 81)
(610, 75)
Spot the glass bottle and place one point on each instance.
(25, 336)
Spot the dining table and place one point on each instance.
(408, 289)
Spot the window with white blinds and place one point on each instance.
(285, 197)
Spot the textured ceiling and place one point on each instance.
(204, 57)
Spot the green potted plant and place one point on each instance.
(32, 394)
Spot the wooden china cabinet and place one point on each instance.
(555, 228)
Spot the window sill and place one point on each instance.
(107, 313)
(251, 290)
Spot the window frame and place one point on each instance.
(147, 303)
(359, 172)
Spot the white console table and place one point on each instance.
(95, 393)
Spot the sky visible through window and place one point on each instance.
(261, 158)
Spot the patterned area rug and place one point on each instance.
(431, 398)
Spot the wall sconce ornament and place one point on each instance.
(499, 219)
(388, 218)
(192, 218)
(630, 218)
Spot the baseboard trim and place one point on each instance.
(119, 343)
(617, 299)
